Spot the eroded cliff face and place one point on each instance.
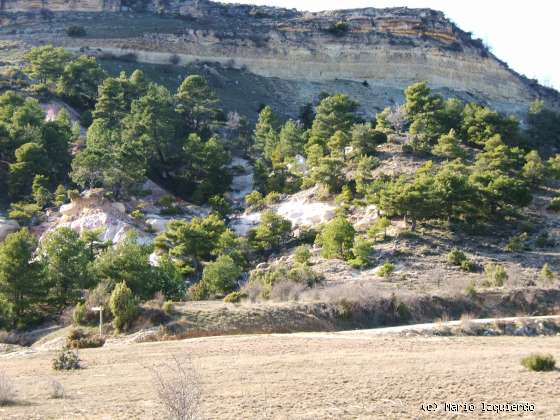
(384, 47)
(60, 5)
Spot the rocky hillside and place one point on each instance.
(374, 52)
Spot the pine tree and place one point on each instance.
(534, 169)
(448, 146)
(334, 113)
(46, 63)
(40, 189)
(66, 259)
(337, 238)
(123, 307)
(80, 80)
(196, 102)
(21, 280)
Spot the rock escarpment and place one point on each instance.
(380, 48)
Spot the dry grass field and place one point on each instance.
(350, 375)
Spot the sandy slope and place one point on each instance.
(296, 376)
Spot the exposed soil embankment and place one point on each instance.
(215, 318)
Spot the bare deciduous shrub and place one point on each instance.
(286, 290)
(233, 121)
(7, 391)
(468, 326)
(157, 301)
(178, 387)
(253, 291)
(397, 118)
(56, 390)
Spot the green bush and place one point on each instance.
(123, 306)
(302, 254)
(234, 297)
(386, 269)
(272, 232)
(220, 277)
(79, 314)
(272, 198)
(254, 200)
(468, 265)
(137, 214)
(168, 307)
(24, 213)
(496, 274)
(547, 275)
(198, 291)
(337, 238)
(220, 205)
(554, 204)
(403, 312)
(168, 206)
(456, 257)
(60, 196)
(297, 273)
(66, 359)
(517, 243)
(539, 362)
(378, 227)
(362, 251)
(345, 197)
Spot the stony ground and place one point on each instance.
(299, 376)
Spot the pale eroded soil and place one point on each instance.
(298, 376)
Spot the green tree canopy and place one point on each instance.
(21, 277)
(66, 261)
(220, 276)
(46, 63)
(272, 232)
(196, 103)
(80, 80)
(334, 113)
(337, 238)
(192, 241)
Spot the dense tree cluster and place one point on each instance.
(477, 166)
(487, 172)
(141, 130)
(76, 80)
(39, 280)
(34, 153)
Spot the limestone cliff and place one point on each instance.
(381, 48)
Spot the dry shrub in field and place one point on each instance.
(468, 326)
(178, 387)
(78, 339)
(66, 359)
(7, 391)
(286, 291)
(56, 390)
